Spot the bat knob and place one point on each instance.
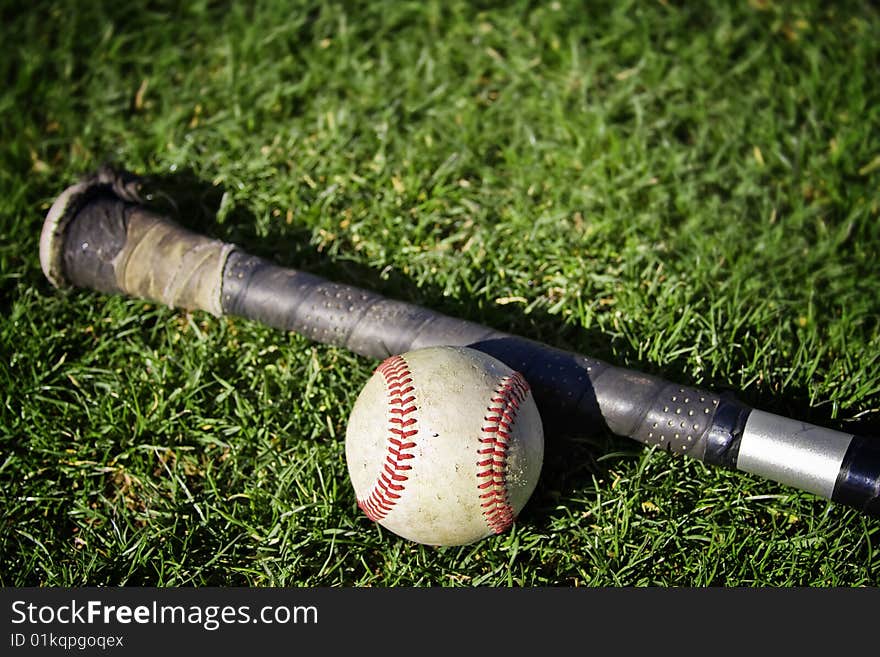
(106, 180)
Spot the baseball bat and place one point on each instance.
(100, 234)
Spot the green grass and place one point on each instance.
(690, 191)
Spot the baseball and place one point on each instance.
(444, 445)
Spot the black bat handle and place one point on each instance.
(99, 235)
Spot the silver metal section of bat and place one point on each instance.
(792, 452)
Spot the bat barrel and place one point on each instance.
(99, 235)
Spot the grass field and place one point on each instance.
(691, 191)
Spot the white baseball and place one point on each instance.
(444, 445)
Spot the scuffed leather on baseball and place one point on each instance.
(444, 445)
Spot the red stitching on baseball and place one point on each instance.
(390, 482)
(495, 501)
